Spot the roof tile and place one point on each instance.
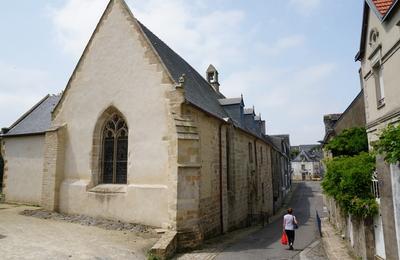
(383, 6)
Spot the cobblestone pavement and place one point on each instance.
(264, 243)
(26, 237)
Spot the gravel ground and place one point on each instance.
(29, 233)
(88, 221)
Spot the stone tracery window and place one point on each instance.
(115, 151)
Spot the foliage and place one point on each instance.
(351, 141)
(389, 144)
(150, 256)
(348, 181)
(294, 152)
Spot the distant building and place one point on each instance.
(307, 163)
(281, 169)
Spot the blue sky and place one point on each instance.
(293, 60)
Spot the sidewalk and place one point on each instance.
(335, 247)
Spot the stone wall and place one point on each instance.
(1, 164)
(353, 116)
(53, 168)
(237, 191)
(358, 233)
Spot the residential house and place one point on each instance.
(307, 163)
(379, 57)
(281, 169)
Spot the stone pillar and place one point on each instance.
(53, 168)
(188, 190)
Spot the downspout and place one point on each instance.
(220, 180)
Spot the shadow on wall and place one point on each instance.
(1, 172)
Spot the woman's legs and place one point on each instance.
(290, 235)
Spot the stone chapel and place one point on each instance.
(138, 135)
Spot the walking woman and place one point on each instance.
(289, 225)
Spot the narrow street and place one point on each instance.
(265, 243)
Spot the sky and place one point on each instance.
(292, 60)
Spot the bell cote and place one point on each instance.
(212, 77)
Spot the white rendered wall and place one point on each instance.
(24, 162)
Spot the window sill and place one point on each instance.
(110, 188)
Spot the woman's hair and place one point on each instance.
(289, 210)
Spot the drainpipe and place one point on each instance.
(220, 180)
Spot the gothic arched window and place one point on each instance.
(115, 151)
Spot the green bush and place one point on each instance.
(348, 181)
(351, 141)
(389, 144)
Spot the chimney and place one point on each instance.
(330, 121)
(263, 130)
(212, 77)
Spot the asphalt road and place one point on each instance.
(265, 244)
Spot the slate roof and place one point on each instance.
(197, 90)
(311, 152)
(37, 120)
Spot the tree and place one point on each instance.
(389, 144)
(294, 152)
(351, 141)
(348, 181)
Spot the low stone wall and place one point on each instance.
(358, 233)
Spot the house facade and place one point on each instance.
(307, 164)
(379, 56)
(138, 135)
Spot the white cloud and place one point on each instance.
(20, 89)
(74, 22)
(181, 24)
(281, 45)
(305, 7)
(203, 35)
(291, 99)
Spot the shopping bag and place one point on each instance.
(284, 239)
